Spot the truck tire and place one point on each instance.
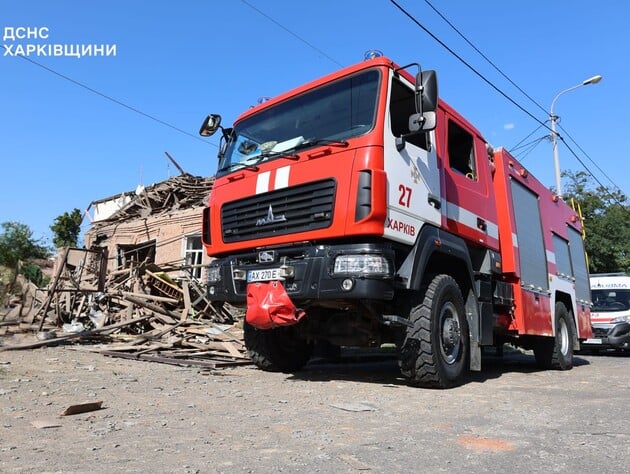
(557, 352)
(276, 350)
(435, 350)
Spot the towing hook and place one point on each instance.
(395, 320)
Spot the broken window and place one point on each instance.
(193, 255)
(461, 151)
(129, 255)
(402, 106)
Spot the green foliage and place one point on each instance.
(32, 273)
(66, 229)
(606, 215)
(17, 244)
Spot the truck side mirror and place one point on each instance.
(210, 125)
(422, 122)
(426, 102)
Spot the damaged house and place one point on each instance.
(137, 285)
(159, 224)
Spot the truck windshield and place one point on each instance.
(610, 300)
(331, 113)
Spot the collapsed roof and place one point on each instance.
(179, 192)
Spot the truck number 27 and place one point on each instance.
(405, 195)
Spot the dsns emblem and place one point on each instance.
(266, 256)
(270, 218)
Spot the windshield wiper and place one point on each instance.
(247, 166)
(322, 141)
(290, 153)
(284, 153)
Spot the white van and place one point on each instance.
(610, 314)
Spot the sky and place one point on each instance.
(76, 130)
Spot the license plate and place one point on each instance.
(267, 274)
(593, 341)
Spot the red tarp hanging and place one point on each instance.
(269, 306)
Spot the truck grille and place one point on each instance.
(284, 211)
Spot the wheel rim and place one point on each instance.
(563, 333)
(450, 333)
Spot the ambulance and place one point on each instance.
(610, 313)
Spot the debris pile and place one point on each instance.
(145, 312)
(178, 192)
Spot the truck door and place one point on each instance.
(470, 203)
(413, 196)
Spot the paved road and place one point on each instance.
(346, 417)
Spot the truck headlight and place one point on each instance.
(361, 265)
(621, 319)
(214, 274)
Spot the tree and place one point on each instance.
(606, 217)
(33, 273)
(67, 228)
(18, 246)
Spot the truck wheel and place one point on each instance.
(276, 350)
(557, 352)
(435, 349)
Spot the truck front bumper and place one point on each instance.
(307, 272)
(610, 335)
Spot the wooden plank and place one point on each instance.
(187, 304)
(234, 352)
(53, 286)
(163, 360)
(41, 424)
(155, 308)
(82, 408)
(156, 334)
(144, 296)
(93, 332)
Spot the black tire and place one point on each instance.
(435, 350)
(557, 352)
(276, 350)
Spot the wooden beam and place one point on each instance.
(77, 335)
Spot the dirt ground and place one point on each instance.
(343, 417)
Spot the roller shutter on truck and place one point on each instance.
(531, 246)
(578, 262)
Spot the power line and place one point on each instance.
(517, 146)
(589, 158)
(463, 61)
(116, 101)
(529, 147)
(501, 92)
(484, 56)
(295, 35)
(612, 196)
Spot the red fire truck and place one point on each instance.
(358, 210)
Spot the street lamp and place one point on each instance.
(554, 135)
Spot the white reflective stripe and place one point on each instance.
(514, 240)
(492, 229)
(262, 182)
(282, 177)
(469, 219)
(551, 256)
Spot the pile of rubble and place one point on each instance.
(178, 192)
(142, 312)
